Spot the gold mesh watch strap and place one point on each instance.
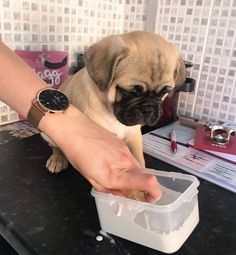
(36, 113)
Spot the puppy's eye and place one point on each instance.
(164, 90)
(137, 89)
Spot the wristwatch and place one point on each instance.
(48, 100)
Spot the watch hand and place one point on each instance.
(54, 101)
(58, 98)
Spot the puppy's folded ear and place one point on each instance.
(180, 73)
(102, 58)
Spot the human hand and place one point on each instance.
(102, 158)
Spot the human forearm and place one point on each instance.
(18, 83)
(103, 159)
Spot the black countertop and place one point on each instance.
(47, 214)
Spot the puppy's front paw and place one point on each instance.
(56, 163)
(135, 194)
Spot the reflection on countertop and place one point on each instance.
(16, 131)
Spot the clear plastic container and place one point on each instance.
(164, 225)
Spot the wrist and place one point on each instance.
(58, 126)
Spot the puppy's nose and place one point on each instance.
(151, 115)
(147, 110)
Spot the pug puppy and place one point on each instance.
(122, 86)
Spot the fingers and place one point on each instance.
(134, 180)
(100, 188)
(152, 199)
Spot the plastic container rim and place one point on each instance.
(185, 196)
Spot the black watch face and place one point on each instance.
(53, 100)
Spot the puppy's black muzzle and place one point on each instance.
(144, 110)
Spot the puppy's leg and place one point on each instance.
(134, 142)
(57, 161)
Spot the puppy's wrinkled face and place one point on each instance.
(137, 106)
(142, 70)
